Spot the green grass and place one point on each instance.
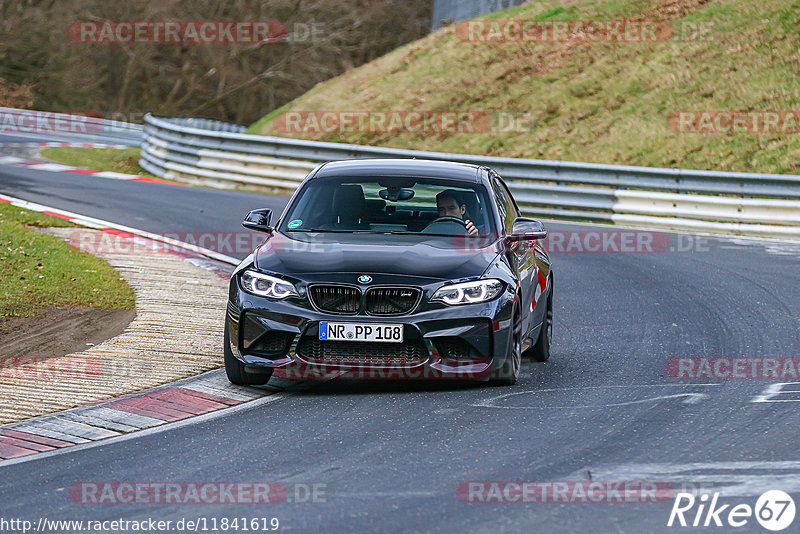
(39, 270)
(124, 160)
(592, 102)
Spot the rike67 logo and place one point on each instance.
(774, 510)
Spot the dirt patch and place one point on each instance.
(60, 330)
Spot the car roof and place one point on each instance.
(426, 168)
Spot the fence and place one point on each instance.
(221, 154)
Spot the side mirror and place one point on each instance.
(258, 220)
(525, 230)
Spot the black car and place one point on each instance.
(392, 269)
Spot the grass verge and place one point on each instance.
(38, 270)
(600, 102)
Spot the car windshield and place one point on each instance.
(391, 205)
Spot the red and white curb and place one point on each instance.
(111, 418)
(117, 229)
(18, 162)
(50, 144)
(116, 417)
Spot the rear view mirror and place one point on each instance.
(394, 194)
(259, 220)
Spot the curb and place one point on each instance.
(176, 333)
(14, 161)
(132, 412)
(115, 229)
(48, 144)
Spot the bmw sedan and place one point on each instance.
(392, 269)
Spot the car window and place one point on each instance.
(505, 204)
(389, 205)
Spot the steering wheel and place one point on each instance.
(443, 222)
(448, 219)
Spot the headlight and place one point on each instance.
(468, 292)
(267, 286)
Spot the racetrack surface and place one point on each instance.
(389, 456)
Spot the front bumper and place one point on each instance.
(459, 342)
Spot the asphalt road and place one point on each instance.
(388, 457)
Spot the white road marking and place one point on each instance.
(689, 397)
(115, 175)
(730, 479)
(385, 494)
(53, 167)
(772, 391)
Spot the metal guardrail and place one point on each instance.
(207, 151)
(68, 127)
(204, 151)
(183, 150)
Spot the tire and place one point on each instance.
(540, 352)
(508, 374)
(235, 369)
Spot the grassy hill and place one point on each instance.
(605, 102)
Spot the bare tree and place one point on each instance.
(231, 81)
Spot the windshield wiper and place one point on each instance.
(375, 232)
(320, 230)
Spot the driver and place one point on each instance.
(450, 204)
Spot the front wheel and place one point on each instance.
(236, 371)
(508, 374)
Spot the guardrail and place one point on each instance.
(217, 153)
(68, 127)
(214, 153)
(221, 154)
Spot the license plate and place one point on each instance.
(387, 333)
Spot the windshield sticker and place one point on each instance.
(297, 223)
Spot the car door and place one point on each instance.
(529, 260)
(519, 257)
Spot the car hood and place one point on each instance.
(444, 258)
